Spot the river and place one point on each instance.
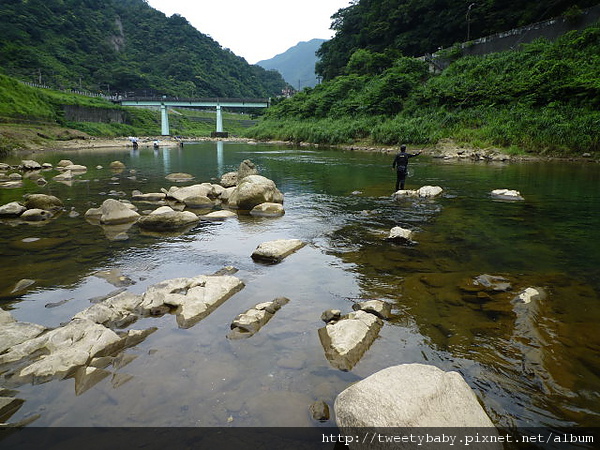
(544, 372)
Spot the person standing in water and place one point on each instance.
(401, 165)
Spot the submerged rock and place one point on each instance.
(22, 285)
(117, 165)
(149, 197)
(179, 177)
(410, 395)
(319, 411)
(275, 251)
(346, 340)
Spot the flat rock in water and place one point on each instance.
(149, 197)
(193, 298)
(166, 219)
(346, 341)
(275, 251)
(116, 311)
(507, 194)
(62, 350)
(381, 309)
(268, 209)
(423, 192)
(15, 333)
(249, 323)
(219, 215)
(179, 177)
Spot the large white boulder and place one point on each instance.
(410, 396)
(253, 190)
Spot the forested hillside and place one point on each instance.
(544, 97)
(415, 27)
(120, 46)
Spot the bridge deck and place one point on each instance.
(174, 101)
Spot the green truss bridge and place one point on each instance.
(164, 103)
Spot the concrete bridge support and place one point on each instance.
(219, 120)
(164, 122)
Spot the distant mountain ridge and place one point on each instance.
(297, 64)
(122, 46)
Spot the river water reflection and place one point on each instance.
(538, 371)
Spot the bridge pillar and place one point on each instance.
(219, 120)
(164, 120)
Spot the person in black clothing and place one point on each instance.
(401, 165)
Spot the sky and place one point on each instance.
(256, 29)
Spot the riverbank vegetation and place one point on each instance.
(33, 117)
(543, 98)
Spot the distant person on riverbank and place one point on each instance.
(401, 165)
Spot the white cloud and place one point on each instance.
(256, 29)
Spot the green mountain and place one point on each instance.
(297, 64)
(121, 46)
(415, 27)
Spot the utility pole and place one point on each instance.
(468, 16)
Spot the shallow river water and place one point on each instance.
(542, 370)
